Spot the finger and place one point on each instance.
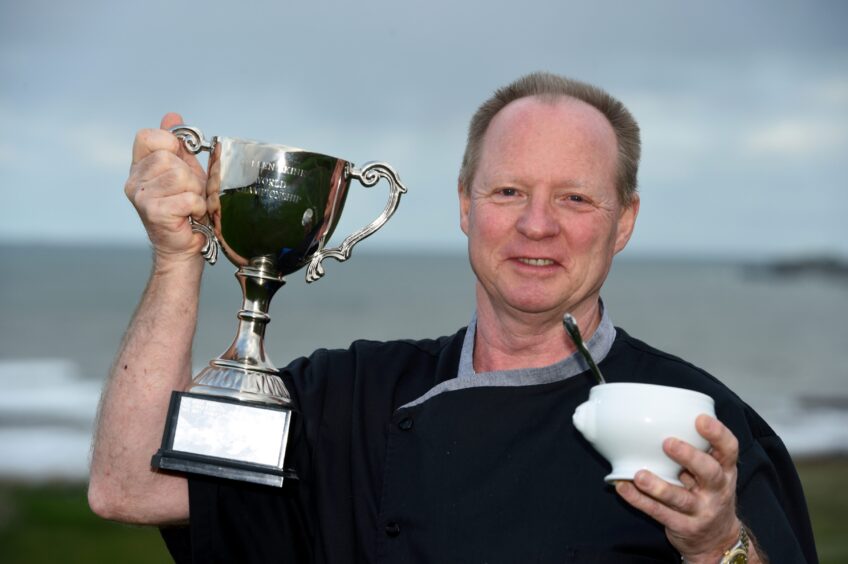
(725, 446)
(172, 212)
(148, 141)
(688, 480)
(702, 466)
(675, 497)
(161, 174)
(171, 119)
(663, 514)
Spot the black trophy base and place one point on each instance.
(226, 438)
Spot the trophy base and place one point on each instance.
(226, 438)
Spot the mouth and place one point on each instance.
(535, 261)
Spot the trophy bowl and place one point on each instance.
(274, 201)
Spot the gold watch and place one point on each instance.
(738, 553)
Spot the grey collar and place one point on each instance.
(599, 346)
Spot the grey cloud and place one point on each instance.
(731, 96)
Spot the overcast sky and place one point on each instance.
(743, 105)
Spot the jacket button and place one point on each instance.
(405, 424)
(392, 529)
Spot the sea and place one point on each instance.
(778, 341)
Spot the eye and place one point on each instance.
(506, 194)
(576, 199)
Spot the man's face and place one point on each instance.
(542, 216)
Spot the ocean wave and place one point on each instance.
(46, 388)
(47, 411)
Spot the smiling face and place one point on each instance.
(543, 217)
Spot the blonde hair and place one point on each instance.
(549, 87)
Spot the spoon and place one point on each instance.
(571, 326)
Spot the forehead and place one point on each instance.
(560, 136)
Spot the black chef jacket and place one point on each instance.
(475, 475)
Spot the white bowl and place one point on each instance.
(628, 422)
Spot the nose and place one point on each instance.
(538, 220)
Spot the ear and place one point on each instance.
(626, 222)
(464, 206)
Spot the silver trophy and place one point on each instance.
(272, 209)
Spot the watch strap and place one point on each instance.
(738, 553)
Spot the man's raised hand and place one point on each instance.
(166, 185)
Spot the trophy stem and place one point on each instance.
(244, 371)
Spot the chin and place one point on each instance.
(533, 306)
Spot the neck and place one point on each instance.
(507, 339)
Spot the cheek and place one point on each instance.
(489, 231)
(590, 235)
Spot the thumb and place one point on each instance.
(170, 120)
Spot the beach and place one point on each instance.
(777, 341)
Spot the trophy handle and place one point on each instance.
(368, 176)
(192, 138)
(194, 142)
(211, 246)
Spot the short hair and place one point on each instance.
(549, 87)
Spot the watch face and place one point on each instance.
(738, 556)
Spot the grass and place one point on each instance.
(827, 499)
(52, 523)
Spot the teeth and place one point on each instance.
(536, 262)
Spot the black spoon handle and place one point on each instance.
(571, 326)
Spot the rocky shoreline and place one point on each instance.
(824, 266)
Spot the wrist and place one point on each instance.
(722, 547)
(179, 264)
(738, 553)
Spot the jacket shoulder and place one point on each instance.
(634, 360)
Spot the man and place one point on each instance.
(459, 449)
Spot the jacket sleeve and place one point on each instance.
(771, 500)
(233, 521)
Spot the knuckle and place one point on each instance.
(153, 136)
(733, 444)
(133, 181)
(683, 501)
(144, 139)
(142, 136)
(162, 159)
(715, 474)
(663, 490)
(146, 132)
(192, 201)
(161, 180)
(137, 194)
(176, 173)
(183, 176)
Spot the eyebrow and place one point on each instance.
(514, 181)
